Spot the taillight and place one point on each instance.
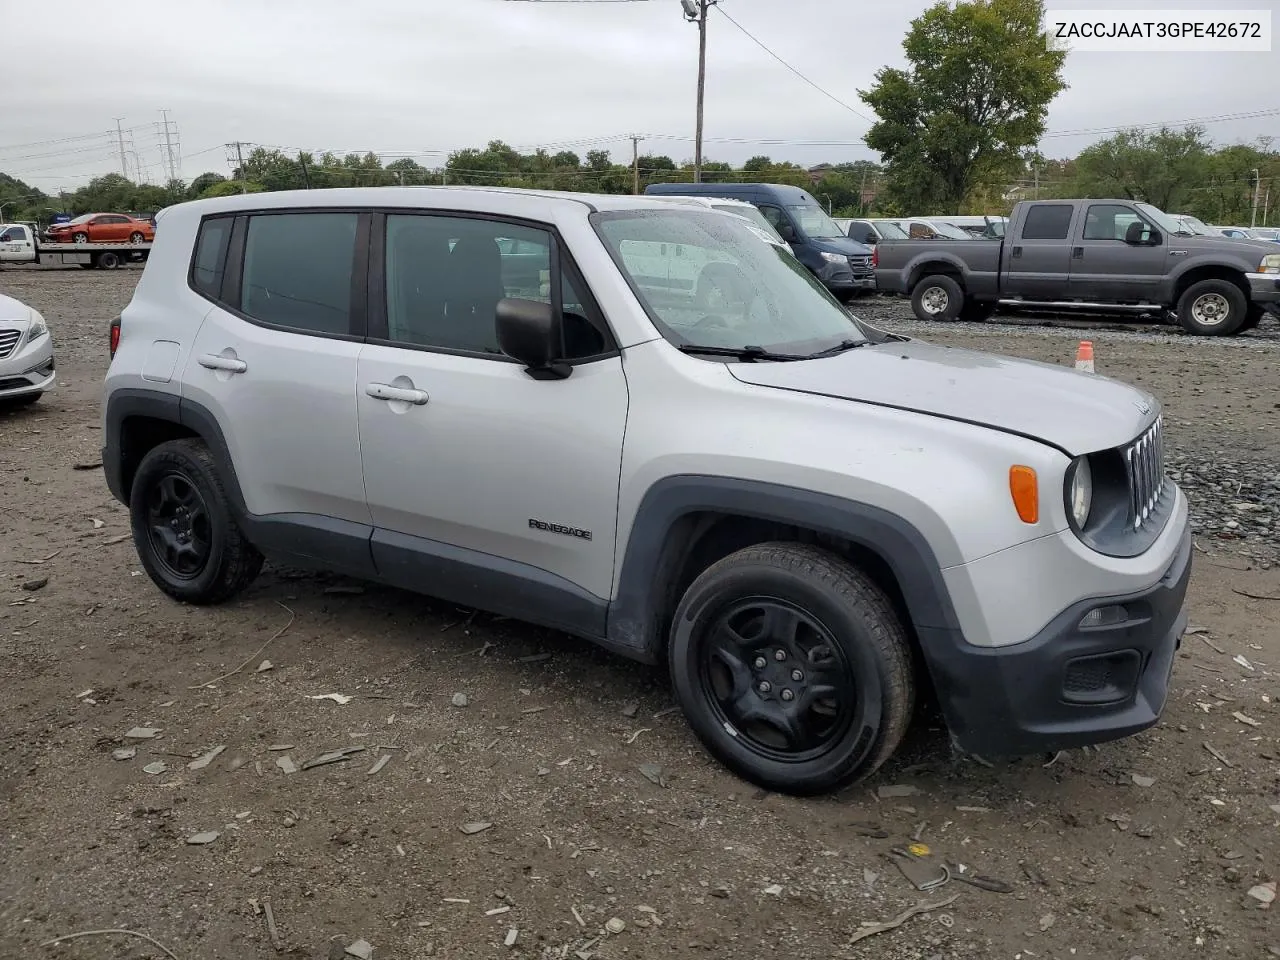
(115, 335)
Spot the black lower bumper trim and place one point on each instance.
(1069, 685)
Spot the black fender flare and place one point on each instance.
(635, 615)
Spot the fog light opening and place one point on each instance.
(1108, 616)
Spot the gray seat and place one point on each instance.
(474, 288)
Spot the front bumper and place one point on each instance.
(1264, 288)
(30, 369)
(1069, 685)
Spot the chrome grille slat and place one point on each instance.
(8, 340)
(1144, 461)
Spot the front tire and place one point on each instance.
(937, 298)
(80, 238)
(1212, 308)
(136, 237)
(792, 668)
(183, 527)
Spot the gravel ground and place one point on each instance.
(1148, 847)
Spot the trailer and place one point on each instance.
(20, 244)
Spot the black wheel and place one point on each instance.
(136, 237)
(1212, 308)
(108, 260)
(792, 668)
(183, 528)
(976, 311)
(937, 297)
(80, 238)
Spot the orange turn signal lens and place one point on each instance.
(1025, 490)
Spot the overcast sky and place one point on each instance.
(423, 77)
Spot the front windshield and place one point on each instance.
(709, 281)
(751, 213)
(1161, 219)
(814, 222)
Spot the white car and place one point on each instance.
(26, 354)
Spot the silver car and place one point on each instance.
(26, 354)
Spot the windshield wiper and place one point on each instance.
(840, 347)
(747, 354)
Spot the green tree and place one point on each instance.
(229, 188)
(21, 201)
(1161, 168)
(407, 172)
(274, 169)
(202, 183)
(1227, 195)
(975, 95)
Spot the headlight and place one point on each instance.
(37, 329)
(1080, 491)
(1270, 264)
(838, 258)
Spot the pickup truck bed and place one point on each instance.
(1100, 254)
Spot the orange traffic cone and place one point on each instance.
(1084, 356)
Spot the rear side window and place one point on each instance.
(297, 270)
(1048, 221)
(210, 262)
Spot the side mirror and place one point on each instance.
(1138, 234)
(527, 332)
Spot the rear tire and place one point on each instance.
(937, 298)
(1212, 308)
(792, 668)
(108, 260)
(183, 527)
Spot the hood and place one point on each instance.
(1245, 248)
(842, 245)
(1077, 413)
(11, 309)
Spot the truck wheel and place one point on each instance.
(1212, 308)
(183, 528)
(938, 298)
(108, 260)
(792, 668)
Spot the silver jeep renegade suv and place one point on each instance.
(641, 424)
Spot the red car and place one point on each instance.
(102, 228)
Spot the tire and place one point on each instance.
(108, 260)
(136, 237)
(199, 556)
(937, 289)
(1212, 308)
(837, 609)
(80, 238)
(977, 311)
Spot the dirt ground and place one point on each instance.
(1143, 848)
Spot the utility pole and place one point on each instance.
(1036, 174)
(124, 166)
(1257, 186)
(1266, 205)
(635, 164)
(862, 194)
(695, 11)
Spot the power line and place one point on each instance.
(759, 43)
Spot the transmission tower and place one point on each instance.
(171, 152)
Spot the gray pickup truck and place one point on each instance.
(1102, 254)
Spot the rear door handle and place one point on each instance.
(1077, 253)
(384, 391)
(214, 362)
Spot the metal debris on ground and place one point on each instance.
(477, 826)
(286, 765)
(497, 911)
(1216, 754)
(205, 759)
(894, 791)
(142, 733)
(361, 950)
(1248, 721)
(1141, 781)
(339, 698)
(264, 666)
(653, 773)
(974, 809)
(1242, 661)
(97, 524)
(202, 839)
(280, 747)
(272, 930)
(460, 700)
(382, 762)
(615, 925)
(918, 871)
(334, 756)
(871, 929)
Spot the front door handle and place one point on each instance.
(384, 391)
(1178, 253)
(214, 362)
(1077, 253)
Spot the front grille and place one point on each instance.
(8, 340)
(1144, 462)
(861, 264)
